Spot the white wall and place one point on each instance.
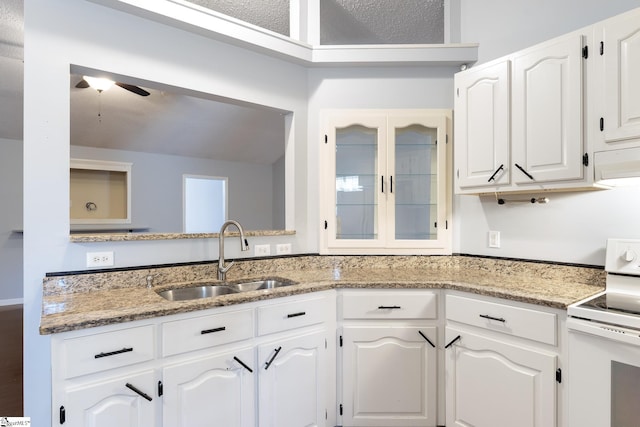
(58, 34)
(505, 26)
(572, 227)
(156, 187)
(10, 219)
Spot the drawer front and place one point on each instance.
(186, 335)
(108, 350)
(291, 315)
(397, 304)
(517, 321)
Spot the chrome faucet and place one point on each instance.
(244, 246)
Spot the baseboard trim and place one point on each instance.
(14, 301)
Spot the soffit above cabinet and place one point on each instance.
(208, 23)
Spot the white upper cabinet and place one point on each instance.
(385, 186)
(482, 126)
(520, 119)
(547, 114)
(619, 53)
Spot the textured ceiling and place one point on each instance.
(381, 21)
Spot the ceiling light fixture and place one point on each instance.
(99, 83)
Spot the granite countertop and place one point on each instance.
(79, 310)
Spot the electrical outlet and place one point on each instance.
(283, 248)
(99, 259)
(262, 250)
(494, 239)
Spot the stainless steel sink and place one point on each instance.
(213, 290)
(196, 292)
(259, 284)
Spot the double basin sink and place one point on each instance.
(208, 290)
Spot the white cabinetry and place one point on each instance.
(385, 186)
(519, 121)
(388, 358)
(619, 80)
(103, 377)
(214, 390)
(212, 367)
(482, 142)
(293, 362)
(501, 363)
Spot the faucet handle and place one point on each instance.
(225, 268)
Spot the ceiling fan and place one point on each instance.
(104, 84)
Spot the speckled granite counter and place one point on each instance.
(87, 300)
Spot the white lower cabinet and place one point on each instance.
(388, 358)
(208, 368)
(215, 390)
(389, 376)
(292, 381)
(125, 401)
(499, 371)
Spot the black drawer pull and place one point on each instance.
(389, 307)
(63, 415)
(272, 358)
(427, 339)
(452, 341)
(302, 313)
(140, 392)
(210, 331)
(113, 353)
(244, 365)
(497, 319)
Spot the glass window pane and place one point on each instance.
(356, 175)
(415, 183)
(269, 14)
(381, 22)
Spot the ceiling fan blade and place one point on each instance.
(135, 89)
(82, 84)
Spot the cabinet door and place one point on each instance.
(547, 140)
(492, 383)
(415, 160)
(482, 126)
(292, 383)
(213, 391)
(622, 77)
(357, 145)
(389, 376)
(112, 402)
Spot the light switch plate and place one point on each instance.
(494, 239)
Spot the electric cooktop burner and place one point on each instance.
(615, 302)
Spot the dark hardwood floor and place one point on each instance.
(11, 361)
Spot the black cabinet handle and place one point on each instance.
(389, 307)
(452, 341)
(63, 415)
(140, 392)
(302, 313)
(272, 358)
(382, 183)
(427, 339)
(244, 365)
(496, 173)
(525, 172)
(160, 388)
(391, 184)
(113, 353)
(498, 319)
(210, 331)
